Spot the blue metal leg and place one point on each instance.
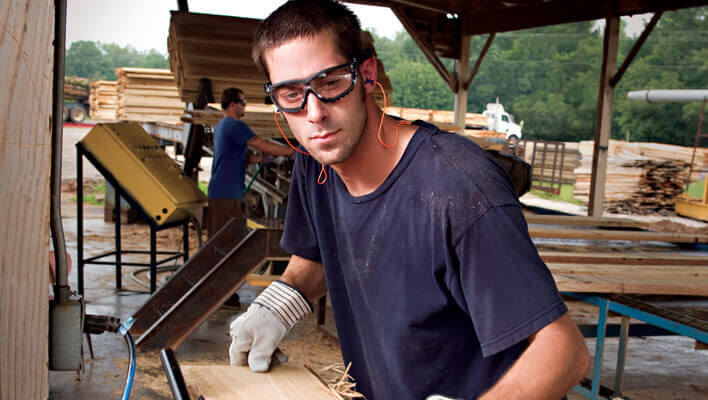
(599, 349)
(621, 355)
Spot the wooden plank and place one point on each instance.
(26, 33)
(651, 284)
(573, 220)
(600, 234)
(624, 258)
(282, 382)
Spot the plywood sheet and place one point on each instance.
(282, 382)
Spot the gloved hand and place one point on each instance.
(257, 333)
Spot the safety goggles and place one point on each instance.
(329, 85)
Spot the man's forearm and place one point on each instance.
(307, 276)
(555, 361)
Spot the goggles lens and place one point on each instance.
(328, 85)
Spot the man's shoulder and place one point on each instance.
(231, 123)
(461, 166)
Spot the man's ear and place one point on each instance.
(369, 72)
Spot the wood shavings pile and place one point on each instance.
(342, 387)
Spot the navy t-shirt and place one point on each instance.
(433, 278)
(228, 168)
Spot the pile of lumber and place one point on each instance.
(219, 48)
(76, 88)
(637, 172)
(259, 117)
(656, 191)
(103, 100)
(148, 95)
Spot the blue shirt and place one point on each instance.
(433, 278)
(228, 168)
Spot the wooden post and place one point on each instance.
(604, 117)
(26, 33)
(463, 67)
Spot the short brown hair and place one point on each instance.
(230, 95)
(306, 18)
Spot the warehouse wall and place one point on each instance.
(26, 31)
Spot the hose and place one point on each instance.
(124, 331)
(260, 167)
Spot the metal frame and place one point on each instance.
(555, 186)
(118, 252)
(629, 307)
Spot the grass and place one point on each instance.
(94, 194)
(566, 194)
(695, 189)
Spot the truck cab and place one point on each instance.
(501, 121)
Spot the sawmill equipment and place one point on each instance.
(149, 180)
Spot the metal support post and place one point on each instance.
(185, 239)
(599, 350)
(621, 355)
(116, 221)
(80, 219)
(153, 260)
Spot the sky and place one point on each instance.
(144, 24)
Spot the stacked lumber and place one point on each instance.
(259, 117)
(76, 88)
(103, 100)
(219, 48)
(442, 118)
(148, 95)
(657, 190)
(640, 178)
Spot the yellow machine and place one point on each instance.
(694, 208)
(144, 171)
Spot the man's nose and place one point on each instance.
(316, 110)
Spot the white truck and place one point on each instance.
(497, 121)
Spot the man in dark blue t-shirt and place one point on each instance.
(231, 140)
(416, 233)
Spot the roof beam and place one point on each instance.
(561, 12)
(635, 49)
(477, 64)
(427, 48)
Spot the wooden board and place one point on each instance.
(26, 33)
(601, 234)
(624, 258)
(637, 279)
(572, 220)
(282, 382)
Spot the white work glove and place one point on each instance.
(257, 333)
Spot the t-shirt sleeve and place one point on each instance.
(240, 133)
(299, 235)
(502, 282)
